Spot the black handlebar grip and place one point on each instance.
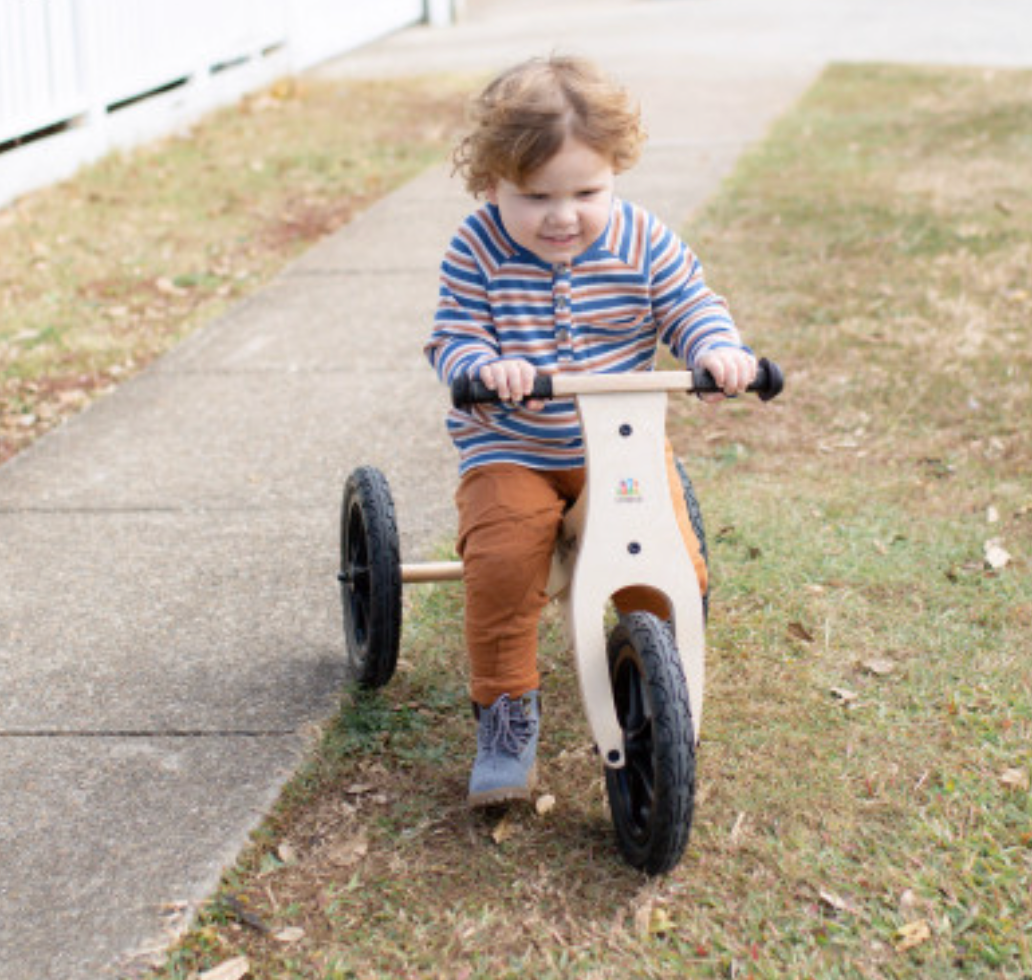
(466, 391)
(770, 380)
(768, 384)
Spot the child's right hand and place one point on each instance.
(513, 379)
(733, 370)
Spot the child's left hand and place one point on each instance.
(733, 370)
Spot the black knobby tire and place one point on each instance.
(370, 577)
(652, 797)
(698, 526)
(694, 510)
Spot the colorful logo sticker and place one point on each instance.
(628, 491)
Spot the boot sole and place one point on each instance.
(505, 794)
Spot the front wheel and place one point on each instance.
(652, 797)
(691, 501)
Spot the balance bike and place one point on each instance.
(642, 685)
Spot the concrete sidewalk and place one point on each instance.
(169, 618)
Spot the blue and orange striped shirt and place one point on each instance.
(607, 312)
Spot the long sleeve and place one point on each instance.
(464, 336)
(692, 318)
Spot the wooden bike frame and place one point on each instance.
(621, 532)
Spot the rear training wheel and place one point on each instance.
(652, 797)
(370, 577)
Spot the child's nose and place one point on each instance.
(564, 212)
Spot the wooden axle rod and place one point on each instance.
(432, 571)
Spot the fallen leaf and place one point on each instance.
(830, 447)
(503, 830)
(287, 852)
(907, 901)
(167, 286)
(836, 902)
(234, 969)
(641, 920)
(996, 556)
(660, 922)
(544, 804)
(285, 88)
(348, 852)
(292, 934)
(844, 694)
(799, 632)
(913, 934)
(736, 830)
(231, 905)
(879, 667)
(652, 920)
(1014, 778)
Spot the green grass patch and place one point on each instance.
(864, 805)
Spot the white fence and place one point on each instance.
(81, 77)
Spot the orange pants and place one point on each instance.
(509, 519)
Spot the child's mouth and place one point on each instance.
(560, 240)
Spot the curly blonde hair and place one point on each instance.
(519, 122)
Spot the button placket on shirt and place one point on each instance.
(561, 308)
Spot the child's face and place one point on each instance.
(563, 206)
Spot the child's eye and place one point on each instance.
(588, 193)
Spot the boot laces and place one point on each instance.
(507, 725)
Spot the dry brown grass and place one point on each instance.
(105, 272)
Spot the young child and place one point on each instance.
(553, 274)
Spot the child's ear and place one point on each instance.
(491, 194)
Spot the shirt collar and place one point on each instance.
(608, 243)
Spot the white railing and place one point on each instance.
(320, 24)
(81, 77)
(40, 68)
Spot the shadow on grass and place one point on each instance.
(374, 855)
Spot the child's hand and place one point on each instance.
(733, 370)
(513, 379)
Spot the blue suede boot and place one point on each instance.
(505, 768)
